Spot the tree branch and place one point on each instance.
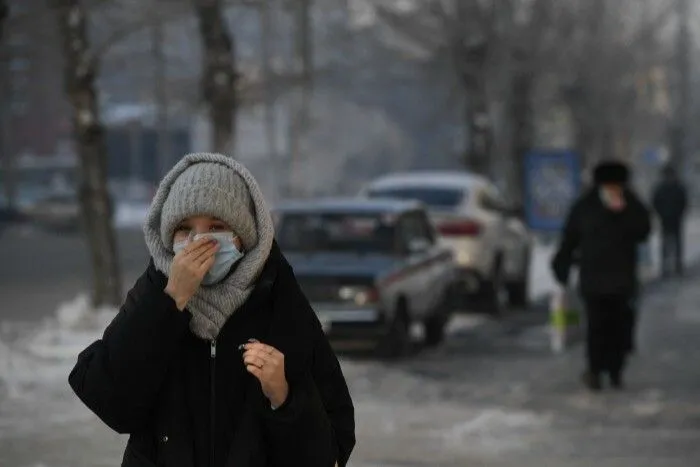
(4, 13)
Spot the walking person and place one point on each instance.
(603, 231)
(670, 203)
(216, 357)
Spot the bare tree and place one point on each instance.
(79, 79)
(475, 36)
(266, 31)
(219, 73)
(160, 92)
(527, 48)
(6, 160)
(300, 103)
(597, 71)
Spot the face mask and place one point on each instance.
(225, 258)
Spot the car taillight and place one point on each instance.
(465, 228)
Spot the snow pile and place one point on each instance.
(46, 354)
(542, 282)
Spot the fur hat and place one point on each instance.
(611, 172)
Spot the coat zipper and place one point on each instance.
(212, 399)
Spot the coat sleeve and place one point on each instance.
(316, 425)
(118, 376)
(571, 236)
(638, 219)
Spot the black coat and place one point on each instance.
(150, 377)
(604, 244)
(670, 203)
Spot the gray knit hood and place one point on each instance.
(212, 305)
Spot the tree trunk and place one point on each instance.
(480, 139)
(80, 73)
(8, 169)
(7, 159)
(270, 120)
(160, 94)
(471, 63)
(523, 127)
(219, 73)
(300, 105)
(4, 13)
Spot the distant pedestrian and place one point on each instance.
(670, 203)
(216, 357)
(603, 231)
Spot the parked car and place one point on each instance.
(370, 268)
(58, 212)
(491, 243)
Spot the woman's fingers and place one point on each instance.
(197, 247)
(202, 255)
(207, 255)
(254, 360)
(268, 349)
(205, 265)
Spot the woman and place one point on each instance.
(216, 358)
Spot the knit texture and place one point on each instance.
(210, 189)
(211, 186)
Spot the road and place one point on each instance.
(42, 268)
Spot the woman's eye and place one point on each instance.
(216, 228)
(182, 228)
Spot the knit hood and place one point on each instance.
(211, 306)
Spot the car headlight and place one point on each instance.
(360, 295)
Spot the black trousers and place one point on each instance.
(609, 331)
(672, 250)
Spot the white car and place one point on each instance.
(490, 242)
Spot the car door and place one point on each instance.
(492, 204)
(416, 253)
(441, 271)
(518, 244)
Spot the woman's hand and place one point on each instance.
(267, 364)
(188, 269)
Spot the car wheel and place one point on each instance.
(496, 291)
(435, 325)
(435, 330)
(518, 291)
(397, 341)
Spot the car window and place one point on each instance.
(336, 232)
(491, 200)
(436, 198)
(412, 227)
(427, 226)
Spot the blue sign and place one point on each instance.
(552, 183)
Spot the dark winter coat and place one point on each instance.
(183, 406)
(604, 245)
(670, 203)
